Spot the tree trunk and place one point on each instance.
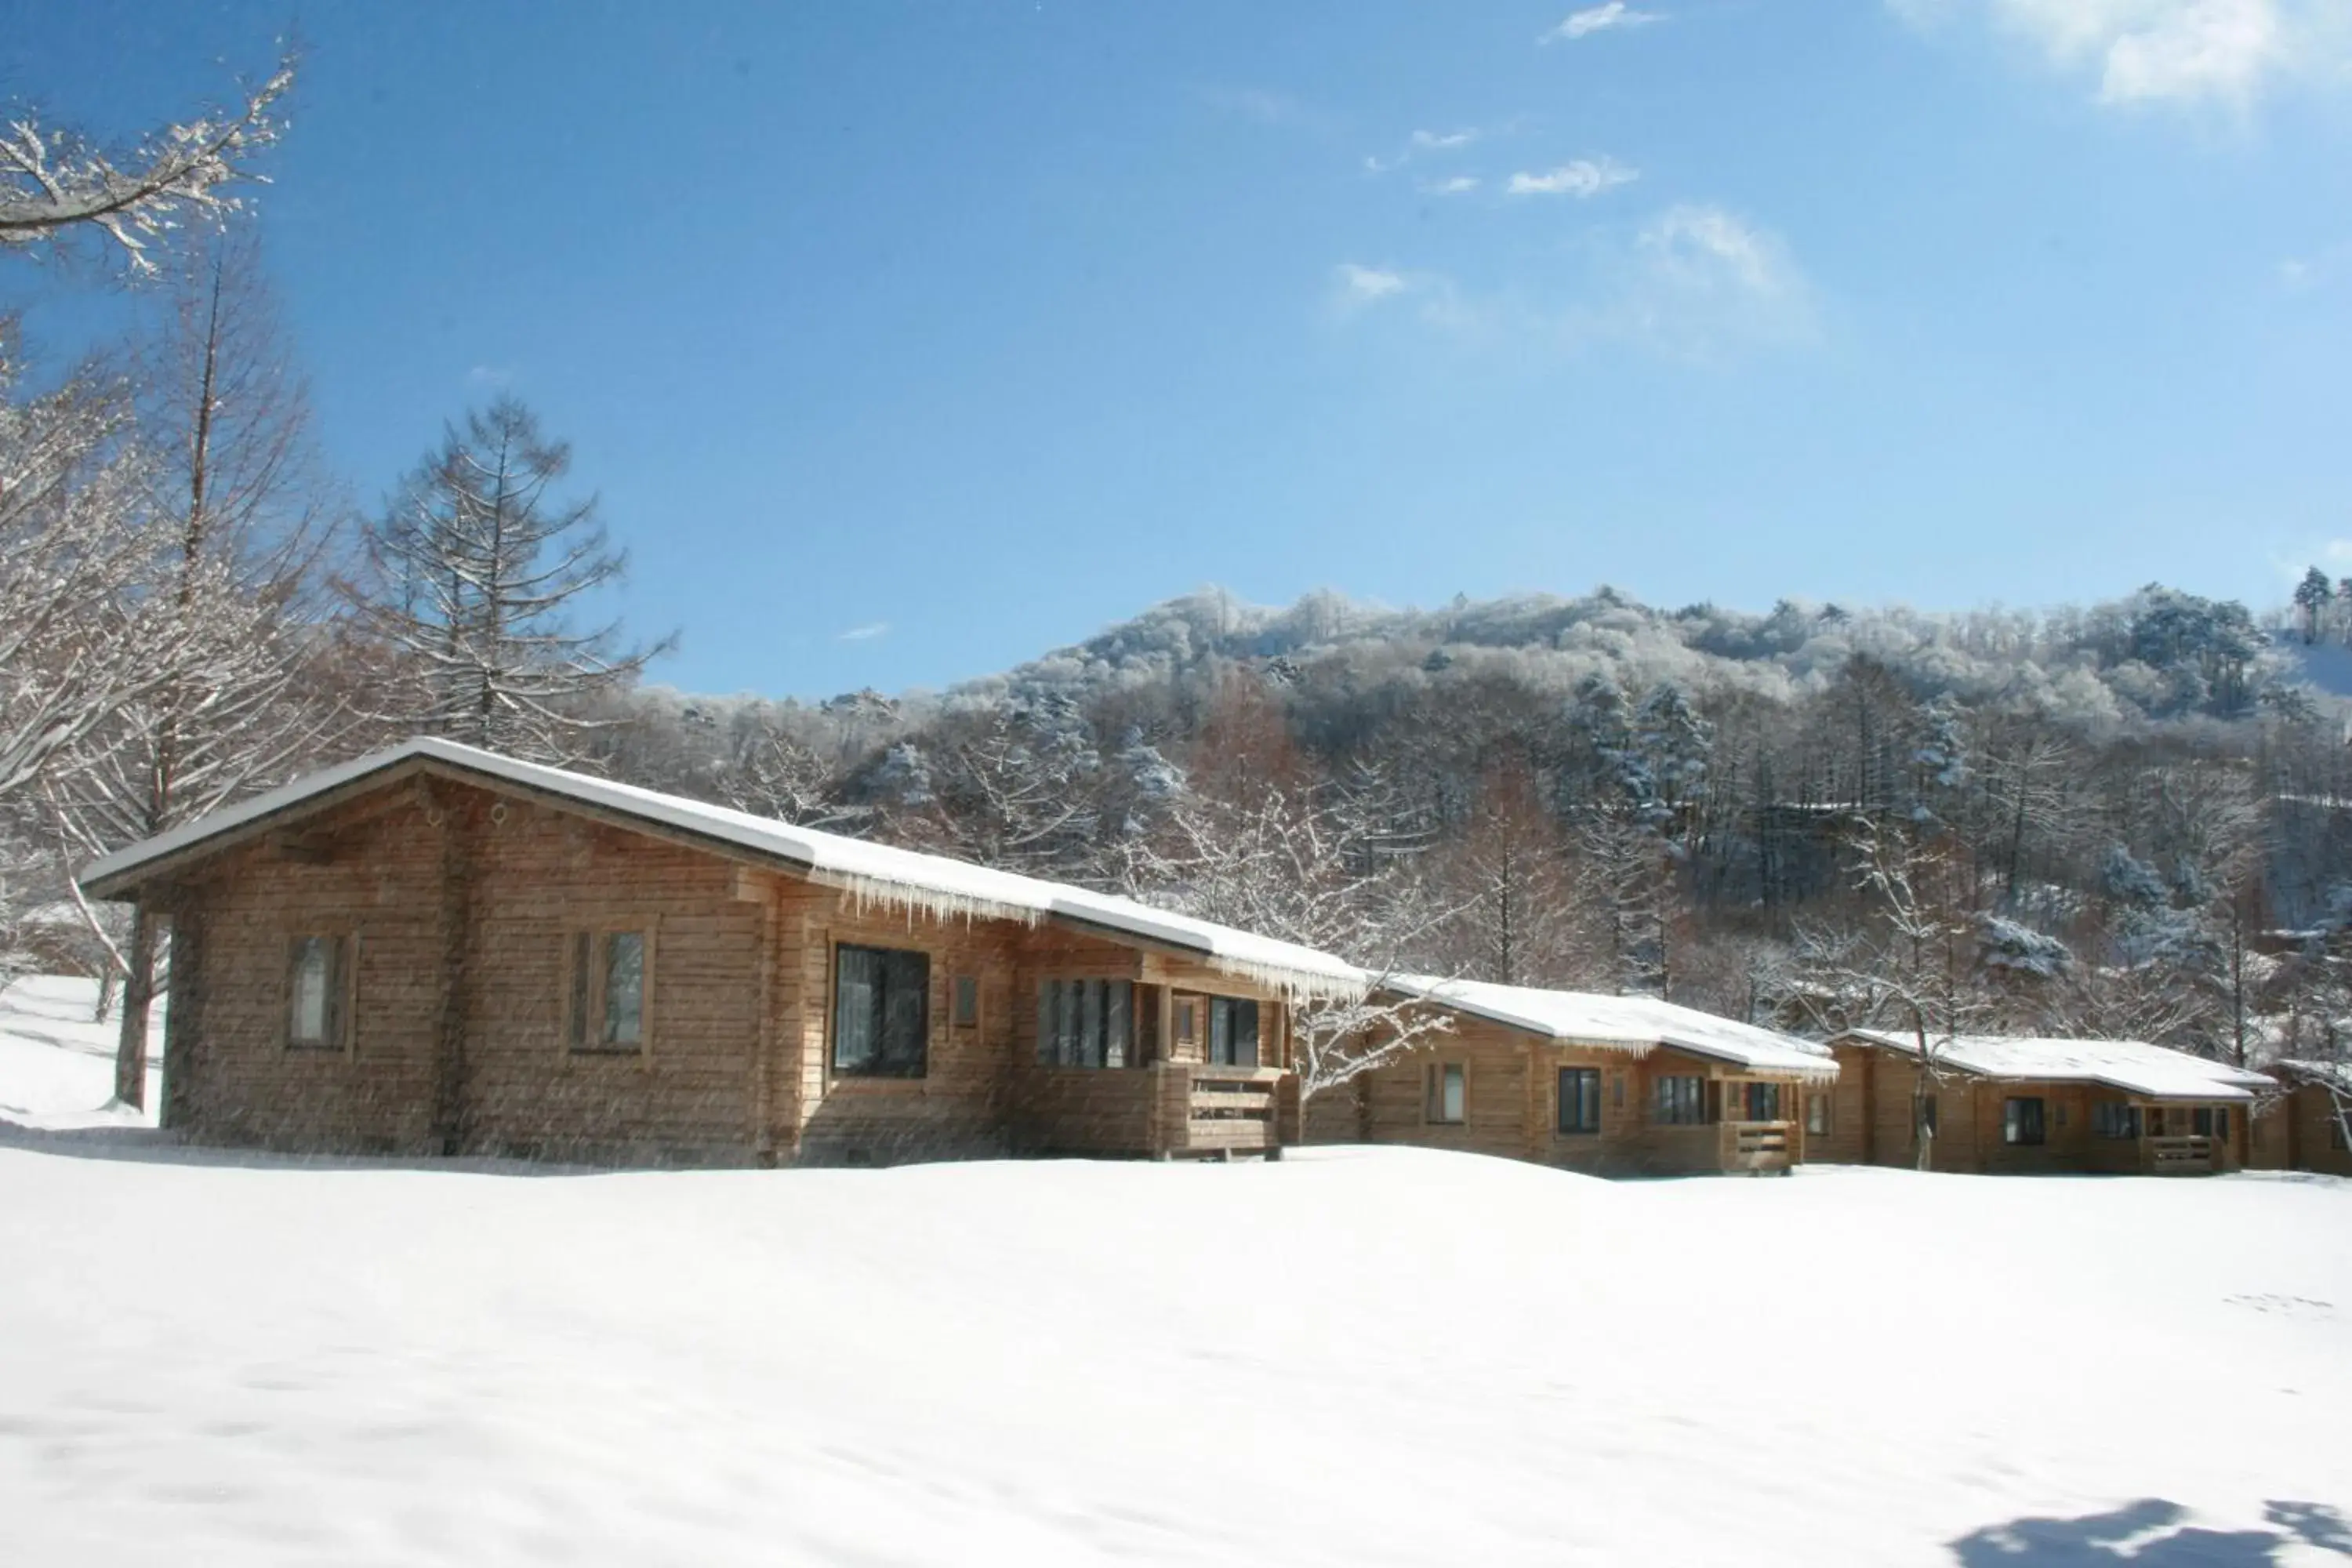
(1922, 1134)
(138, 991)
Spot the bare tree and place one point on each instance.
(1914, 963)
(471, 574)
(1315, 865)
(1516, 917)
(236, 507)
(77, 641)
(55, 184)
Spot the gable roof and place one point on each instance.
(1636, 1025)
(2311, 1069)
(878, 874)
(2155, 1072)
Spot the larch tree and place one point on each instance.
(56, 185)
(1512, 914)
(238, 516)
(470, 578)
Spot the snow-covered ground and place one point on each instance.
(1354, 1357)
(57, 1062)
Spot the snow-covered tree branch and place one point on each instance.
(55, 184)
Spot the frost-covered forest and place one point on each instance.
(2124, 819)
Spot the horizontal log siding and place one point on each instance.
(232, 1078)
(1511, 1105)
(539, 875)
(1971, 1120)
(420, 869)
(957, 1109)
(1850, 1138)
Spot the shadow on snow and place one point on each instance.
(2149, 1535)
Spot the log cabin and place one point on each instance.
(2303, 1127)
(1606, 1085)
(2022, 1105)
(436, 950)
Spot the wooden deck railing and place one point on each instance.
(1224, 1111)
(1758, 1145)
(2180, 1156)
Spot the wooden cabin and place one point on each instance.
(1611, 1085)
(2018, 1105)
(2302, 1126)
(438, 950)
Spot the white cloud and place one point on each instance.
(1696, 283)
(1366, 285)
(1459, 185)
(490, 376)
(2172, 52)
(1583, 177)
(1427, 143)
(867, 632)
(1599, 19)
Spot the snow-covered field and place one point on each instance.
(1354, 1357)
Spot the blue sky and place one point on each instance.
(905, 341)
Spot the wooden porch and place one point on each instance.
(1757, 1148)
(2182, 1156)
(1165, 1110)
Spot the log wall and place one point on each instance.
(462, 902)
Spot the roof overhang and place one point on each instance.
(122, 874)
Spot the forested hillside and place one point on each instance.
(2118, 819)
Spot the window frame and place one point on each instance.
(1667, 1109)
(2015, 1131)
(1587, 1100)
(964, 1000)
(342, 992)
(1753, 1090)
(1094, 1056)
(1230, 1008)
(834, 1071)
(1432, 1091)
(587, 991)
(1820, 1114)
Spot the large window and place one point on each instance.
(1233, 1031)
(2210, 1122)
(1447, 1098)
(604, 1000)
(881, 1012)
(2114, 1119)
(2020, 1120)
(1681, 1102)
(1085, 1023)
(1761, 1101)
(1580, 1099)
(318, 975)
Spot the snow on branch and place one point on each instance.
(54, 183)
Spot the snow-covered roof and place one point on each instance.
(2156, 1072)
(872, 873)
(2311, 1070)
(1633, 1024)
